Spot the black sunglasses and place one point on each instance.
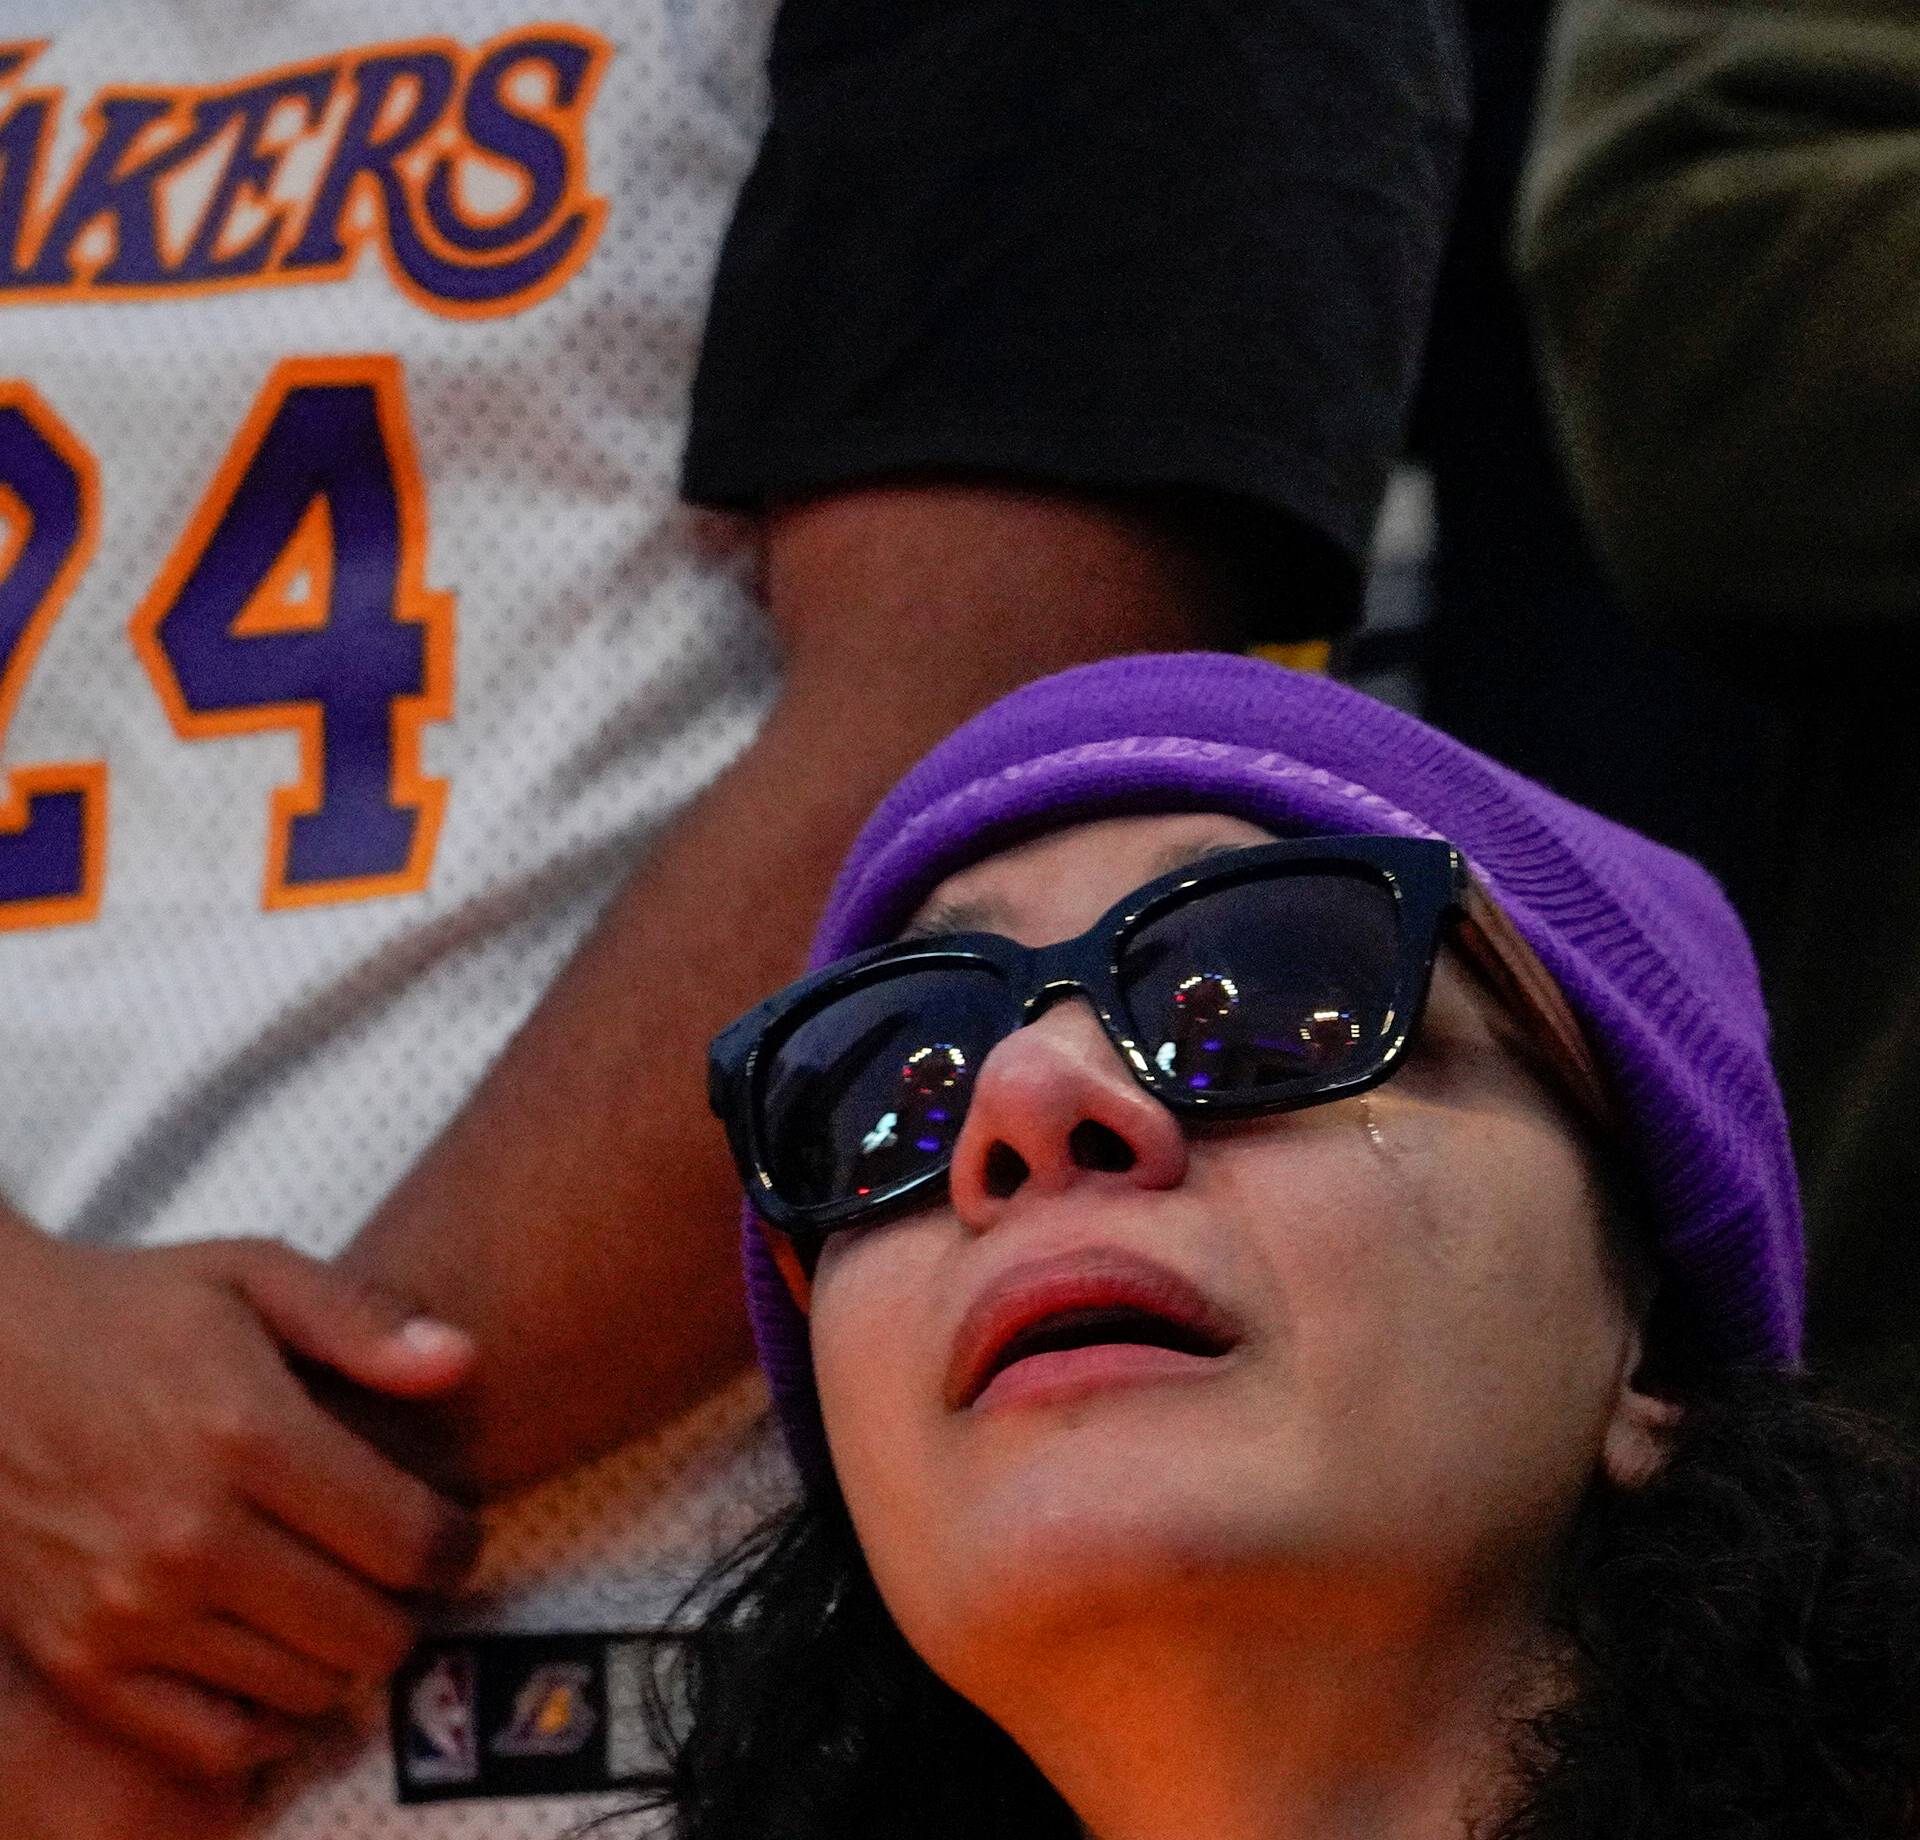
(1259, 980)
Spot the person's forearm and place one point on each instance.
(1719, 234)
(579, 1217)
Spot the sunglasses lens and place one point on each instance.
(1284, 982)
(871, 1090)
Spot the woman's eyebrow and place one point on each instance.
(990, 916)
(1186, 855)
(958, 917)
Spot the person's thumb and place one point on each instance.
(363, 1333)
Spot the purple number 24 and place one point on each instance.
(295, 599)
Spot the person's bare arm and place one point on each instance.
(578, 1218)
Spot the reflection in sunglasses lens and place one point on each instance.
(872, 1090)
(1278, 981)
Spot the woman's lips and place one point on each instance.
(1078, 1322)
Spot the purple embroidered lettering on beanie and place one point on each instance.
(1642, 941)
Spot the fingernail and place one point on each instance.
(426, 1335)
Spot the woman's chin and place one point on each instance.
(1076, 1545)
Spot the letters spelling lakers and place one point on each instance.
(466, 166)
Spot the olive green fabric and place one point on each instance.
(1720, 234)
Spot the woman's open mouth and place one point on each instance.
(1081, 1322)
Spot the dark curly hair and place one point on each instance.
(1741, 1639)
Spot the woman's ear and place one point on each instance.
(1640, 1433)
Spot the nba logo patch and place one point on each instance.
(440, 1741)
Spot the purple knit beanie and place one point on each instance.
(1641, 940)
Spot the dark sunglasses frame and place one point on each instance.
(1428, 881)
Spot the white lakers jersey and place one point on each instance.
(353, 642)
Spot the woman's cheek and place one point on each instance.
(874, 1366)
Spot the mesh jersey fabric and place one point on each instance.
(609, 658)
(203, 1066)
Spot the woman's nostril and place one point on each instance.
(1098, 1146)
(1005, 1170)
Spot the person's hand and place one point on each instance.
(63, 1778)
(191, 1549)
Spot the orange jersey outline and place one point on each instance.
(409, 788)
(291, 220)
(40, 215)
(579, 200)
(20, 786)
(567, 125)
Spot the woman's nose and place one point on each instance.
(1053, 1105)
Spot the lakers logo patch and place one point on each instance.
(552, 1714)
(462, 169)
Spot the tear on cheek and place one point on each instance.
(1400, 1159)
(1370, 1124)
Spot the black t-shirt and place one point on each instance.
(1125, 245)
